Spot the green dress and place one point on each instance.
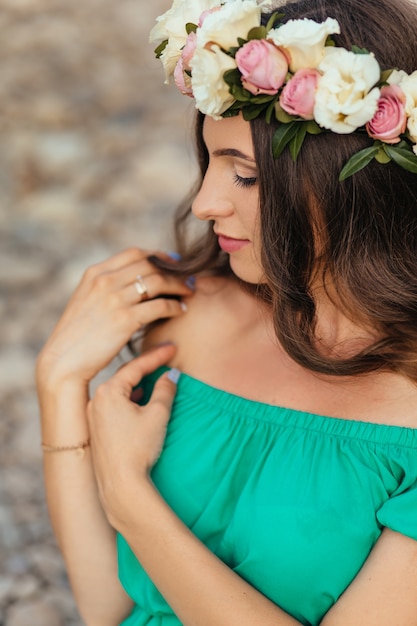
(293, 502)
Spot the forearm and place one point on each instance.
(198, 586)
(83, 533)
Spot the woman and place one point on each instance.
(230, 509)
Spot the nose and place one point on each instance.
(212, 200)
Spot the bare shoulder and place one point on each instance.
(210, 317)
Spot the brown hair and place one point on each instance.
(367, 224)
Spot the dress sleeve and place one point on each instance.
(399, 512)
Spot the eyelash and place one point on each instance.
(244, 182)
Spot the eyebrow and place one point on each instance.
(232, 152)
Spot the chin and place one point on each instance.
(248, 272)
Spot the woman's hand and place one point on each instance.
(106, 309)
(127, 439)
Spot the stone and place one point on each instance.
(35, 613)
(93, 159)
(6, 589)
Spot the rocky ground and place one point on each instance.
(93, 158)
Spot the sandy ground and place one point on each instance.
(94, 156)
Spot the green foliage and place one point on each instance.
(259, 32)
(385, 75)
(159, 49)
(358, 161)
(282, 137)
(358, 50)
(297, 141)
(190, 28)
(404, 157)
(282, 116)
(275, 17)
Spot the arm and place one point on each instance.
(102, 315)
(200, 588)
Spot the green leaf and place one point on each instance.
(231, 112)
(358, 162)
(297, 142)
(259, 32)
(232, 51)
(239, 93)
(283, 135)
(190, 28)
(385, 75)
(282, 116)
(358, 50)
(232, 77)
(313, 128)
(262, 99)
(382, 156)
(269, 111)
(241, 41)
(251, 112)
(275, 17)
(159, 49)
(404, 158)
(329, 42)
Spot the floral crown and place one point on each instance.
(219, 53)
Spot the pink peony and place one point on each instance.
(188, 50)
(298, 96)
(390, 119)
(263, 66)
(182, 80)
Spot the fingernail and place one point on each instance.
(184, 306)
(190, 282)
(175, 256)
(174, 375)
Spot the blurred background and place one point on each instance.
(94, 157)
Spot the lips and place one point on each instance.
(229, 244)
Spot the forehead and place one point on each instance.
(231, 133)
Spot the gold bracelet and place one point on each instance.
(80, 447)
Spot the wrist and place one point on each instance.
(137, 488)
(63, 407)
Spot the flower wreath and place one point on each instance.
(219, 53)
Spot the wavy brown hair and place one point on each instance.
(366, 225)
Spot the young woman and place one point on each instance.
(273, 481)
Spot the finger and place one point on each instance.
(163, 396)
(157, 309)
(156, 282)
(121, 259)
(165, 388)
(132, 373)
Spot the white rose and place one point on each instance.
(171, 26)
(345, 99)
(412, 128)
(396, 77)
(409, 86)
(210, 91)
(304, 40)
(171, 55)
(235, 19)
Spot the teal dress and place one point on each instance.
(293, 502)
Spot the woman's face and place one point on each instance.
(229, 194)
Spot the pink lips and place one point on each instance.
(228, 244)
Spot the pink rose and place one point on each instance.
(182, 80)
(188, 50)
(298, 96)
(263, 66)
(390, 119)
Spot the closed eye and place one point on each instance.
(244, 182)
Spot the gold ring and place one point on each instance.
(141, 287)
